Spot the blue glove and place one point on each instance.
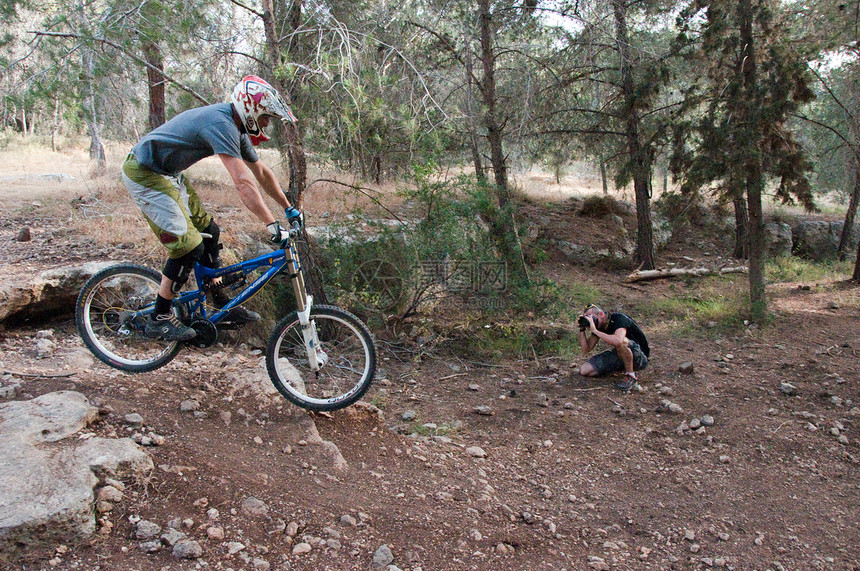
(294, 215)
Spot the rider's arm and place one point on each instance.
(247, 188)
(269, 182)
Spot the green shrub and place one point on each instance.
(396, 266)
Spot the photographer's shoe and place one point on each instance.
(167, 327)
(628, 382)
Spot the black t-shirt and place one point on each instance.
(619, 320)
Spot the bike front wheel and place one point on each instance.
(110, 316)
(346, 353)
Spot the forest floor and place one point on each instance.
(574, 474)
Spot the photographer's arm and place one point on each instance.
(586, 343)
(615, 340)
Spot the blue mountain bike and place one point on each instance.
(319, 357)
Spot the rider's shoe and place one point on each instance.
(167, 327)
(236, 316)
(239, 316)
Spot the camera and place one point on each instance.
(583, 323)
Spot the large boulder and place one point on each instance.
(818, 240)
(778, 239)
(52, 292)
(47, 479)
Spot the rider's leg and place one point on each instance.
(164, 201)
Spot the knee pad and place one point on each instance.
(178, 269)
(211, 247)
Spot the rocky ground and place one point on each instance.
(745, 457)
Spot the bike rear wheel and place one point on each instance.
(347, 348)
(108, 318)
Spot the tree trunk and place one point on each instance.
(494, 130)
(55, 123)
(742, 223)
(603, 178)
(848, 228)
(23, 123)
(751, 119)
(155, 83)
(638, 153)
(97, 150)
(470, 114)
(856, 276)
(295, 150)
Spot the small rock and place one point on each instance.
(150, 546)
(833, 305)
(23, 235)
(695, 424)
(293, 529)
(686, 368)
(234, 547)
(474, 387)
(254, 507)
(104, 507)
(476, 452)
(382, 557)
(408, 416)
(260, 564)
(788, 389)
(666, 390)
(543, 399)
(187, 549)
(348, 520)
(215, 533)
(133, 419)
(484, 410)
(111, 494)
(528, 517)
(172, 536)
(146, 530)
(689, 534)
(707, 420)
(695, 548)
(189, 405)
(725, 458)
(675, 408)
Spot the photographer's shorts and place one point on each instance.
(609, 362)
(170, 205)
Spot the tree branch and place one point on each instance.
(136, 58)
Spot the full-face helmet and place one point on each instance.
(252, 98)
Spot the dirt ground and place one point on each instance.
(574, 474)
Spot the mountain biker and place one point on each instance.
(629, 351)
(152, 173)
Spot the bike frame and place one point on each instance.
(286, 258)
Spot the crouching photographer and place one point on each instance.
(629, 352)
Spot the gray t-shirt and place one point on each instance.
(193, 135)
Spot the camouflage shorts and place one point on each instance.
(170, 205)
(609, 362)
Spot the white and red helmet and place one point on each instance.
(252, 98)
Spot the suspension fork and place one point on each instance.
(316, 356)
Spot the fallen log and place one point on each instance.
(643, 275)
